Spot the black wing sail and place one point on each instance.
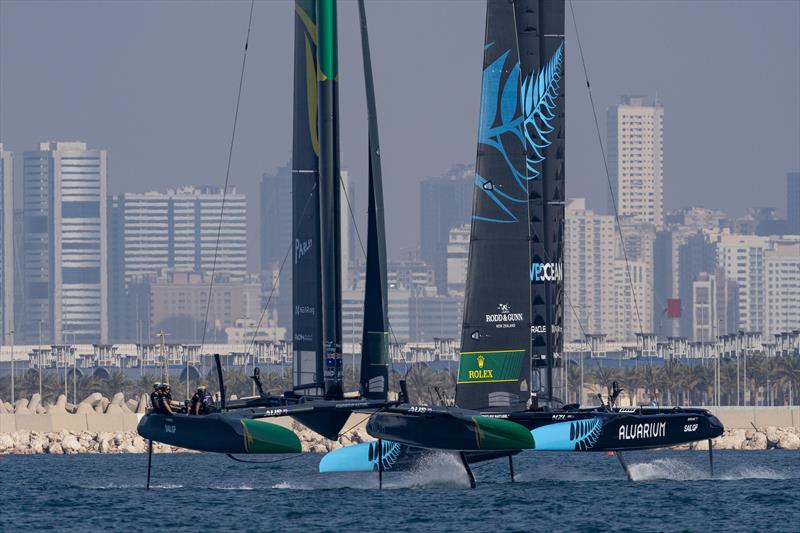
(495, 339)
(513, 310)
(540, 34)
(375, 336)
(306, 270)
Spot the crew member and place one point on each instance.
(200, 401)
(155, 397)
(166, 399)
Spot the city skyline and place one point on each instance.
(190, 147)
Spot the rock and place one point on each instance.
(119, 438)
(40, 410)
(38, 444)
(6, 442)
(55, 449)
(789, 440)
(70, 444)
(22, 438)
(749, 434)
(757, 442)
(131, 405)
(104, 447)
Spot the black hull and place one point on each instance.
(219, 433)
(564, 430)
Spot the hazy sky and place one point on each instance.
(155, 83)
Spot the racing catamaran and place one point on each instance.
(513, 314)
(317, 399)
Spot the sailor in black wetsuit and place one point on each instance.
(166, 399)
(155, 398)
(201, 402)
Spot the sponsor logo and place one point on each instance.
(542, 329)
(505, 318)
(483, 367)
(650, 430)
(169, 428)
(301, 248)
(690, 428)
(305, 310)
(542, 272)
(303, 337)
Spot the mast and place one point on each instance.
(375, 337)
(329, 198)
(512, 312)
(540, 36)
(306, 267)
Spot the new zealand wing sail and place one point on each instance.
(306, 270)
(540, 34)
(495, 352)
(375, 337)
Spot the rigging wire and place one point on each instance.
(227, 175)
(608, 173)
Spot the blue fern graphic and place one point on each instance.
(391, 453)
(536, 101)
(584, 433)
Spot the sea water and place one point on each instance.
(671, 491)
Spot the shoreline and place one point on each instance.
(67, 442)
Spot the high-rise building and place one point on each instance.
(6, 244)
(445, 203)
(65, 255)
(178, 229)
(588, 259)
(782, 286)
(457, 255)
(175, 230)
(636, 159)
(713, 306)
(793, 202)
(741, 257)
(697, 255)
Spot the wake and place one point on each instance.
(677, 470)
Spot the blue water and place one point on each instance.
(672, 491)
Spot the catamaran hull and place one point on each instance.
(618, 431)
(220, 433)
(552, 431)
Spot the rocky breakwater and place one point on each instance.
(767, 438)
(313, 442)
(69, 442)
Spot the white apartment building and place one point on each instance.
(636, 159)
(742, 259)
(588, 255)
(65, 271)
(782, 286)
(6, 243)
(457, 254)
(177, 230)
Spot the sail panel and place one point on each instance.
(494, 343)
(305, 254)
(375, 337)
(513, 309)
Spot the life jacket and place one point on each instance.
(155, 401)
